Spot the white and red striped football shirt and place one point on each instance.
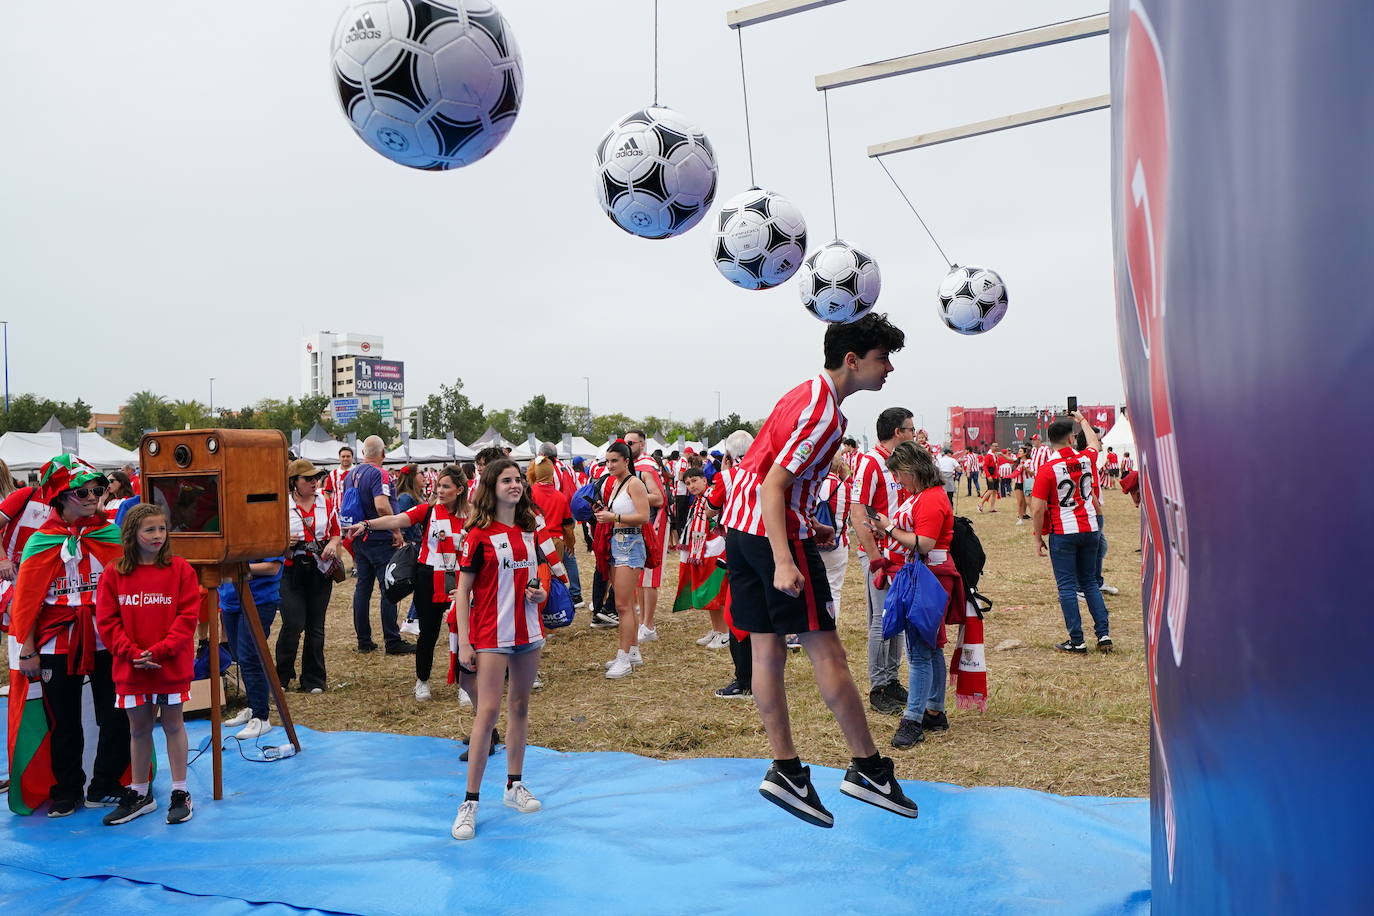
(1068, 483)
(27, 512)
(442, 539)
(502, 558)
(1127, 464)
(874, 486)
(801, 435)
(837, 493)
(1038, 456)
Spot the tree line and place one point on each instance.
(448, 411)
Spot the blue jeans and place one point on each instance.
(371, 557)
(1101, 550)
(574, 578)
(926, 676)
(245, 649)
(1075, 560)
(973, 484)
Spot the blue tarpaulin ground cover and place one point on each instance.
(359, 823)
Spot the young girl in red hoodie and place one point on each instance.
(146, 611)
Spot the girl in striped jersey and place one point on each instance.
(500, 630)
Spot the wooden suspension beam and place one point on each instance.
(771, 9)
(1053, 112)
(1043, 36)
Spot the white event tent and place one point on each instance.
(30, 451)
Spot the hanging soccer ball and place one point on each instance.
(655, 173)
(972, 299)
(760, 239)
(428, 85)
(839, 283)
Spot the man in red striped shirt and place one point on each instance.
(1066, 505)
(876, 492)
(777, 578)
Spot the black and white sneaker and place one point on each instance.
(881, 790)
(936, 723)
(180, 810)
(96, 798)
(605, 620)
(733, 691)
(1077, 648)
(131, 806)
(1104, 644)
(796, 797)
(64, 807)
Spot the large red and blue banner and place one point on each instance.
(1242, 204)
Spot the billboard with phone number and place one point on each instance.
(379, 376)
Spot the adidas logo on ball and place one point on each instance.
(631, 148)
(363, 29)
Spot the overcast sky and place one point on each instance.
(181, 187)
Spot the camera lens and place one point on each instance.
(182, 456)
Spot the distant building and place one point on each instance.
(351, 370)
(108, 425)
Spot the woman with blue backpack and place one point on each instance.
(921, 530)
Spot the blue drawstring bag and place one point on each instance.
(581, 505)
(558, 610)
(915, 603)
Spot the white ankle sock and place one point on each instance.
(140, 787)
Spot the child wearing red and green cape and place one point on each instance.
(52, 620)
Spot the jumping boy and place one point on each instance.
(777, 578)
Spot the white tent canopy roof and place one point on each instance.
(430, 451)
(320, 452)
(30, 451)
(1120, 437)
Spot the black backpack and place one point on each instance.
(967, 553)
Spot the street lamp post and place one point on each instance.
(212, 399)
(6, 325)
(717, 416)
(588, 380)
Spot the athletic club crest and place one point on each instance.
(972, 432)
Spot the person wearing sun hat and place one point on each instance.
(53, 620)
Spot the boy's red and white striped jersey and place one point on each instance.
(1068, 484)
(801, 435)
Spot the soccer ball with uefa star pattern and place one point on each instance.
(839, 283)
(428, 85)
(972, 300)
(655, 173)
(760, 239)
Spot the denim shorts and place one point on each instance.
(515, 650)
(627, 549)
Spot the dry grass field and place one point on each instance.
(1066, 724)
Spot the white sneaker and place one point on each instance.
(1110, 590)
(538, 683)
(463, 698)
(580, 605)
(1020, 521)
(646, 634)
(521, 799)
(635, 658)
(241, 718)
(721, 641)
(255, 728)
(620, 667)
(422, 690)
(705, 640)
(465, 824)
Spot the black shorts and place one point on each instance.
(1017, 486)
(757, 607)
(1113, 472)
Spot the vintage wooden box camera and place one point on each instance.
(224, 491)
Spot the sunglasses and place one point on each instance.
(84, 492)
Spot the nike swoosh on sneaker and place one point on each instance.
(804, 791)
(885, 788)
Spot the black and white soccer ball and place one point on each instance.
(839, 283)
(655, 173)
(428, 85)
(760, 239)
(972, 299)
